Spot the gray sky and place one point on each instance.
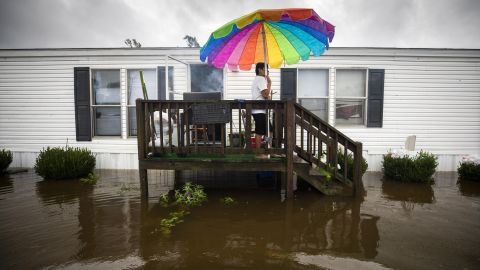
(164, 23)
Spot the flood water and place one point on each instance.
(68, 225)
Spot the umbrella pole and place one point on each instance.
(267, 136)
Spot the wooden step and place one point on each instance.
(319, 182)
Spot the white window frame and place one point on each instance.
(327, 98)
(93, 106)
(365, 99)
(127, 106)
(124, 125)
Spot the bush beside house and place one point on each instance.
(64, 163)
(469, 170)
(341, 162)
(5, 160)
(419, 168)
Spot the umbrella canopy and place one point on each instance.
(275, 36)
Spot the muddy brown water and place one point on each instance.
(67, 225)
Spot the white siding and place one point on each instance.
(37, 100)
(431, 93)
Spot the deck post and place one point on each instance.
(290, 130)
(144, 182)
(357, 168)
(141, 145)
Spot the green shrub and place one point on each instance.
(64, 163)
(5, 160)
(341, 162)
(469, 171)
(418, 169)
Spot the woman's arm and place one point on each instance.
(266, 92)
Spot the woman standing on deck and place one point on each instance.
(261, 90)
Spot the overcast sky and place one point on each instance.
(164, 23)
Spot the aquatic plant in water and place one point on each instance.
(228, 200)
(189, 195)
(91, 179)
(167, 224)
(164, 200)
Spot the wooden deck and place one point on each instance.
(170, 139)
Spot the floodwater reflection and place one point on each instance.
(260, 231)
(409, 194)
(6, 184)
(469, 188)
(67, 225)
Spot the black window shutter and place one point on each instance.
(83, 126)
(288, 83)
(376, 78)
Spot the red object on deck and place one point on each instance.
(254, 143)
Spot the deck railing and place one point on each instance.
(165, 127)
(320, 143)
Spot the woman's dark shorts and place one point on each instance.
(260, 123)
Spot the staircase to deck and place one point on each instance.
(323, 153)
(311, 148)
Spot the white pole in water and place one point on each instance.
(267, 136)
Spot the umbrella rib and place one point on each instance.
(278, 27)
(247, 37)
(316, 48)
(281, 52)
(226, 52)
(251, 36)
(309, 30)
(220, 48)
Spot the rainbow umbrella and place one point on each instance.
(273, 36)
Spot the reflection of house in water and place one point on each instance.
(257, 231)
(108, 221)
(416, 193)
(408, 194)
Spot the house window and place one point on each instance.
(134, 91)
(205, 78)
(313, 91)
(106, 102)
(351, 96)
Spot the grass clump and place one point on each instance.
(419, 169)
(190, 195)
(174, 218)
(91, 179)
(469, 170)
(64, 163)
(5, 160)
(228, 200)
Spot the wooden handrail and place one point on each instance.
(316, 133)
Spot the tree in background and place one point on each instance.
(191, 41)
(133, 43)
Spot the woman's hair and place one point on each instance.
(260, 65)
